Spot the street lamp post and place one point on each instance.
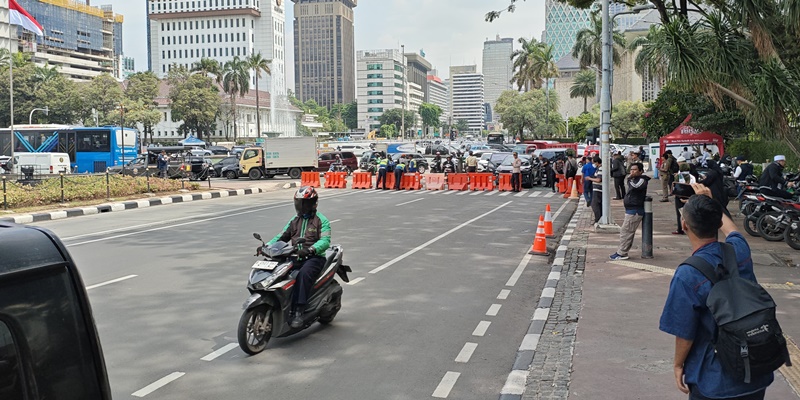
(403, 119)
(46, 110)
(122, 126)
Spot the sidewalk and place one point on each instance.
(619, 353)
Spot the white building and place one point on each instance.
(467, 97)
(439, 94)
(497, 70)
(379, 85)
(415, 97)
(183, 32)
(279, 122)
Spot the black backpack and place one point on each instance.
(673, 166)
(749, 341)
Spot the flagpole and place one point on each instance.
(11, 86)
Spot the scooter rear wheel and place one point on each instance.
(769, 227)
(750, 225)
(792, 236)
(255, 329)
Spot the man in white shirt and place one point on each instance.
(516, 173)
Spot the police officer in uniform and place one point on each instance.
(399, 169)
(382, 165)
(412, 164)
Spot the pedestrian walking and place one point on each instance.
(162, 163)
(618, 173)
(597, 189)
(587, 170)
(549, 174)
(634, 210)
(516, 172)
(698, 369)
(663, 176)
(383, 166)
(399, 169)
(472, 163)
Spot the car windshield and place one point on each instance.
(526, 160)
(486, 156)
(498, 157)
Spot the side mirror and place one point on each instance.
(257, 236)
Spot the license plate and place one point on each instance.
(265, 265)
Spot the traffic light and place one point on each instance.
(452, 134)
(593, 134)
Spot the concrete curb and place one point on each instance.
(515, 384)
(133, 204)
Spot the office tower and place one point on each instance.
(324, 51)
(380, 75)
(184, 32)
(467, 97)
(497, 70)
(439, 93)
(417, 69)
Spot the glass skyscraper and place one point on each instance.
(564, 21)
(497, 69)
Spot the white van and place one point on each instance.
(42, 163)
(356, 148)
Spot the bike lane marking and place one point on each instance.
(158, 384)
(216, 353)
(434, 240)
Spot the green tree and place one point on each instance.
(394, 117)
(578, 125)
(235, 82)
(141, 90)
(526, 114)
(387, 131)
(588, 48)
(525, 76)
(209, 67)
(196, 102)
(259, 64)
(60, 95)
(626, 117)
(584, 85)
(103, 94)
(350, 115)
(430, 114)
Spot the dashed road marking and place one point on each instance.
(216, 353)
(535, 194)
(481, 329)
(466, 352)
(409, 202)
(493, 310)
(111, 281)
(475, 193)
(336, 220)
(157, 384)
(446, 385)
(354, 281)
(504, 194)
(520, 194)
(503, 294)
(518, 272)
(461, 193)
(490, 193)
(551, 194)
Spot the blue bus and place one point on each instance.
(90, 149)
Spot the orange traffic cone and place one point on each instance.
(574, 194)
(548, 222)
(539, 246)
(568, 187)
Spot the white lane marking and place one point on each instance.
(434, 240)
(466, 352)
(461, 193)
(541, 314)
(354, 281)
(481, 329)
(336, 220)
(216, 353)
(111, 281)
(450, 191)
(158, 384)
(409, 202)
(475, 193)
(518, 272)
(503, 294)
(490, 193)
(515, 384)
(530, 342)
(504, 194)
(551, 194)
(446, 385)
(493, 310)
(559, 210)
(520, 194)
(535, 194)
(440, 191)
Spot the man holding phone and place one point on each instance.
(634, 210)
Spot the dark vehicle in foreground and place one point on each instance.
(231, 171)
(267, 310)
(422, 162)
(219, 165)
(495, 160)
(370, 157)
(49, 346)
(529, 172)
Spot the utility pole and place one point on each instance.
(605, 114)
(403, 120)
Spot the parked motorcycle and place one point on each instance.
(268, 310)
(340, 168)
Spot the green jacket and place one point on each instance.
(316, 230)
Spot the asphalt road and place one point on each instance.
(434, 308)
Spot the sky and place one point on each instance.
(451, 32)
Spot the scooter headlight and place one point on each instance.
(268, 281)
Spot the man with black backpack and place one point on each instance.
(727, 340)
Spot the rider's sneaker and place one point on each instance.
(616, 256)
(297, 321)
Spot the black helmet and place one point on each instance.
(305, 201)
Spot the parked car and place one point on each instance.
(219, 165)
(199, 153)
(529, 172)
(349, 160)
(231, 171)
(219, 150)
(495, 160)
(433, 149)
(494, 147)
(368, 157)
(550, 154)
(422, 162)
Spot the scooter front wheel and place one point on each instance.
(255, 329)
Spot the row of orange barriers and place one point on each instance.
(335, 180)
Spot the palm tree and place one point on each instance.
(208, 66)
(584, 86)
(258, 63)
(588, 48)
(235, 81)
(45, 74)
(523, 74)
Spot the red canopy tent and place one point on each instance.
(686, 135)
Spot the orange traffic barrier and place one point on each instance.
(539, 246)
(562, 183)
(569, 186)
(410, 182)
(457, 181)
(335, 180)
(481, 181)
(362, 180)
(390, 179)
(574, 193)
(504, 185)
(579, 183)
(434, 181)
(310, 179)
(548, 222)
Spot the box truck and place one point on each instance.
(280, 156)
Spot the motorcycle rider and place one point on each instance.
(437, 163)
(773, 177)
(336, 164)
(449, 166)
(316, 229)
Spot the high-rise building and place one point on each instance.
(82, 41)
(439, 93)
(380, 77)
(497, 70)
(467, 96)
(418, 68)
(128, 67)
(324, 51)
(184, 32)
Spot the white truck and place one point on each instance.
(280, 156)
(30, 164)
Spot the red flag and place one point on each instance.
(21, 17)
